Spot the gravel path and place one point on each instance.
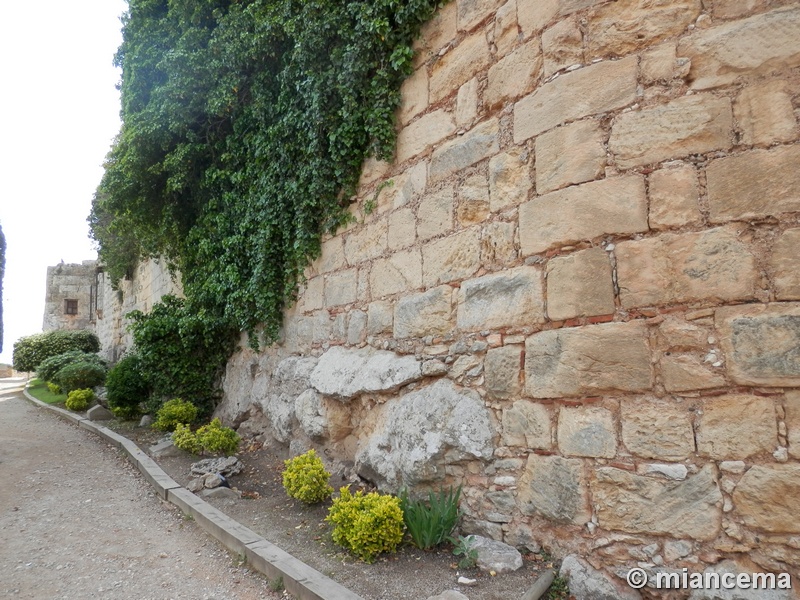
(77, 521)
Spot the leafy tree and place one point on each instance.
(32, 350)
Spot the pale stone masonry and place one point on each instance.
(588, 243)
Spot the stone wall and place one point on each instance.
(576, 291)
(73, 284)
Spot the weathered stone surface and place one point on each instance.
(554, 488)
(455, 257)
(379, 318)
(723, 433)
(792, 408)
(464, 151)
(562, 46)
(765, 114)
(686, 372)
(758, 591)
(514, 75)
(340, 288)
(677, 334)
(688, 125)
(584, 212)
(356, 327)
(784, 263)
(467, 103)
(164, 448)
(674, 198)
(688, 267)
(366, 243)
(459, 65)
(99, 413)
(428, 130)
(402, 271)
(754, 184)
(677, 472)
(495, 556)
(746, 47)
(587, 360)
(228, 465)
(473, 200)
(435, 213)
(276, 395)
(598, 88)
(620, 28)
(505, 27)
(402, 231)
(527, 424)
(580, 285)
(401, 189)
(428, 313)
(587, 583)
(502, 368)
(346, 373)
(658, 429)
(761, 343)
(533, 15)
(473, 12)
(422, 432)
(658, 64)
(571, 154)
(332, 257)
(506, 299)
(438, 31)
(414, 94)
(587, 431)
(509, 179)
(312, 295)
(309, 411)
(497, 244)
(768, 498)
(635, 504)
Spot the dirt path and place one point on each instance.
(68, 531)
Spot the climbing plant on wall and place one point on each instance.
(245, 125)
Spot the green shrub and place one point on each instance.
(184, 438)
(366, 524)
(173, 412)
(79, 399)
(462, 546)
(80, 375)
(429, 523)
(32, 350)
(54, 389)
(126, 388)
(50, 367)
(216, 438)
(306, 479)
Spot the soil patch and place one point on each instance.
(301, 530)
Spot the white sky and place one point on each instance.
(59, 112)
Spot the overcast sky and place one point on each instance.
(59, 112)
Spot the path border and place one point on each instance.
(300, 580)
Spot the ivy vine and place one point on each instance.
(245, 125)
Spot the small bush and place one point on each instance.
(173, 412)
(54, 389)
(216, 438)
(32, 350)
(79, 400)
(126, 388)
(306, 479)
(462, 546)
(366, 524)
(184, 438)
(430, 523)
(49, 368)
(80, 375)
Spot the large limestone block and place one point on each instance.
(765, 114)
(761, 343)
(507, 299)
(497, 244)
(562, 46)
(502, 368)
(473, 200)
(687, 372)
(638, 504)
(332, 257)
(472, 12)
(402, 229)
(481, 142)
(422, 432)
(427, 131)
(587, 431)
(674, 198)
(622, 27)
(366, 243)
(527, 424)
(792, 408)
(533, 15)
(571, 154)
(346, 373)
(580, 285)
(509, 179)
(414, 95)
(341, 287)
(448, 259)
(688, 125)
(747, 47)
(588, 360)
(785, 265)
(438, 31)
(767, 498)
(601, 87)
(401, 272)
(673, 268)
(759, 183)
(277, 395)
(435, 213)
(380, 318)
(583, 212)
(514, 75)
(459, 65)
(427, 313)
(657, 429)
(555, 488)
(736, 427)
